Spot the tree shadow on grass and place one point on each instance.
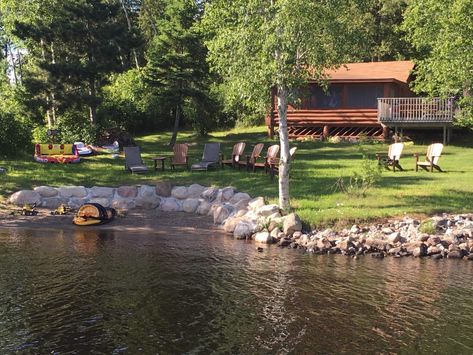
(450, 200)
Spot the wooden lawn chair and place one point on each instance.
(271, 154)
(392, 158)
(251, 159)
(179, 155)
(237, 153)
(274, 164)
(431, 158)
(133, 161)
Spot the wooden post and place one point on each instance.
(326, 132)
(445, 135)
(385, 132)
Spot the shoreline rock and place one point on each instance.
(446, 236)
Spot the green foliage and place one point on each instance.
(428, 226)
(358, 184)
(442, 33)
(14, 135)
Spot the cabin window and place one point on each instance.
(364, 95)
(316, 98)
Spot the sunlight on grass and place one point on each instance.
(314, 174)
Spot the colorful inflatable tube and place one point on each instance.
(93, 214)
(56, 153)
(83, 149)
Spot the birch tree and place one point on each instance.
(257, 45)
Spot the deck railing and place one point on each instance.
(415, 110)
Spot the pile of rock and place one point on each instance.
(236, 212)
(451, 236)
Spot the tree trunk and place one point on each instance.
(93, 105)
(177, 118)
(135, 56)
(285, 159)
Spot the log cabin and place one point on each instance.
(361, 99)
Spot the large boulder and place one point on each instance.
(239, 197)
(73, 191)
(256, 203)
(190, 205)
(263, 237)
(268, 210)
(227, 193)
(222, 213)
(170, 204)
(105, 202)
(210, 194)
(242, 204)
(204, 207)
(291, 224)
(180, 192)
(123, 203)
(127, 191)
(76, 202)
(52, 202)
(244, 229)
(98, 191)
(195, 190)
(231, 223)
(147, 198)
(46, 191)
(164, 188)
(23, 197)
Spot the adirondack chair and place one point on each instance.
(251, 159)
(271, 154)
(133, 161)
(274, 164)
(237, 152)
(431, 158)
(179, 155)
(210, 158)
(392, 158)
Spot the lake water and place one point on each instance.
(106, 292)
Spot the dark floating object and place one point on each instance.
(260, 249)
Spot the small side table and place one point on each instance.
(161, 159)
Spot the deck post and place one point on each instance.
(325, 132)
(445, 135)
(385, 132)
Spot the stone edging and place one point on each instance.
(236, 212)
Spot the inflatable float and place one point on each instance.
(83, 149)
(107, 149)
(56, 153)
(93, 214)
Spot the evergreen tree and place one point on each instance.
(176, 63)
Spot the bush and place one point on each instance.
(14, 135)
(428, 226)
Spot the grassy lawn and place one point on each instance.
(315, 171)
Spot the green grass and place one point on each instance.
(315, 171)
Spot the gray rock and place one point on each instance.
(73, 191)
(419, 251)
(124, 204)
(46, 191)
(304, 240)
(344, 245)
(432, 250)
(242, 204)
(239, 197)
(377, 244)
(455, 254)
(213, 207)
(190, 205)
(222, 213)
(105, 202)
(324, 244)
(97, 191)
(52, 202)
(23, 197)
(267, 210)
(204, 207)
(180, 192)
(243, 230)
(227, 193)
(195, 190)
(292, 223)
(256, 203)
(127, 191)
(148, 202)
(394, 237)
(387, 230)
(164, 188)
(240, 213)
(170, 204)
(210, 193)
(296, 235)
(263, 237)
(284, 242)
(275, 233)
(76, 202)
(231, 223)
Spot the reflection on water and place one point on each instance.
(106, 292)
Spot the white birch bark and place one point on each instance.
(284, 162)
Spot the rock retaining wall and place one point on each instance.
(236, 212)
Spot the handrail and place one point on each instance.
(416, 109)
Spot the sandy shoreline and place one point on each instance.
(138, 221)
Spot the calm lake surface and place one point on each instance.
(107, 292)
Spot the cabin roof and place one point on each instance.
(373, 71)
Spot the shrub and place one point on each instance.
(428, 226)
(14, 135)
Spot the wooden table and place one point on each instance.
(161, 159)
